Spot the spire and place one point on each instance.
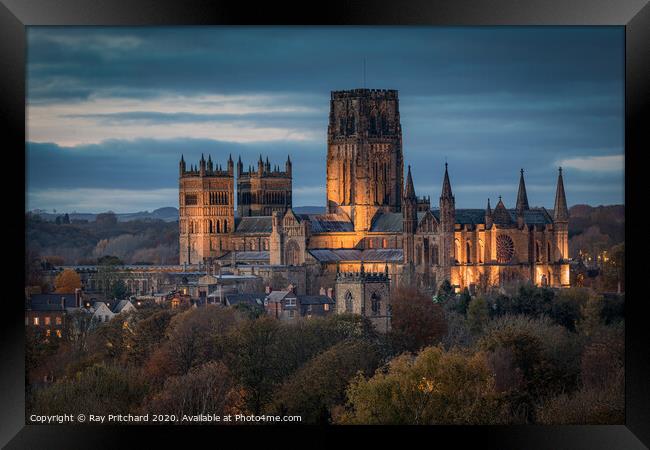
(560, 210)
(446, 186)
(230, 157)
(522, 198)
(488, 216)
(409, 193)
(182, 159)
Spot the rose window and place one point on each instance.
(505, 249)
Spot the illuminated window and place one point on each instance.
(47, 332)
(326, 307)
(36, 321)
(47, 321)
(291, 302)
(292, 313)
(58, 333)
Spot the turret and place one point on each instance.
(488, 216)
(260, 166)
(181, 166)
(287, 166)
(240, 167)
(447, 204)
(230, 165)
(522, 200)
(268, 164)
(409, 218)
(202, 166)
(560, 210)
(210, 165)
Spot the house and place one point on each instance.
(47, 311)
(124, 306)
(315, 305)
(282, 305)
(255, 300)
(100, 312)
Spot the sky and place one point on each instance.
(110, 110)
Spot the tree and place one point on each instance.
(67, 281)
(416, 320)
(119, 290)
(255, 356)
(107, 219)
(206, 389)
(590, 313)
(319, 385)
(109, 260)
(445, 292)
(103, 389)
(435, 387)
(478, 315)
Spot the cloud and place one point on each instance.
(609, 163)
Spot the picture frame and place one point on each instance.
(634, 15)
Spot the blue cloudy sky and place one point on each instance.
(110, 110)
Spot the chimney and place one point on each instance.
(322, 291)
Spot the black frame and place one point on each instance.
(634, 15)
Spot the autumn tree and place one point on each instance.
(416, 320)
(205, 389)
(67, 281)
(434, 387)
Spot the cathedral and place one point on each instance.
(375, 230)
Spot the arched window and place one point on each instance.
(375, 304)
(384, 243)
(481, 250)
(218, 227)
(373, 122)
(225, 226)
(348, 302)
(292, 254)
(457, 249)
(369, 243)
(383, 122)
(548, 252)
(549, 279)
(538, 252)
(468, 252)
(210, 227)
(342, 126)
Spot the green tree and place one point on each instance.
(445, 292)
(590, 315)
(478, 315)
(102, 389)
(319, 385)
(435, 387)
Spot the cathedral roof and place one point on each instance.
(323, 223)
(247, 256)
(368, 255)
(253, 225)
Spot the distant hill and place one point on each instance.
(309, 209)
(167, 214)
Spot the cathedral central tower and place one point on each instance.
(365, 167)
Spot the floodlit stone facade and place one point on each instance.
(373, 220)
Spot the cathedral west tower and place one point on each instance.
(364, 155)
